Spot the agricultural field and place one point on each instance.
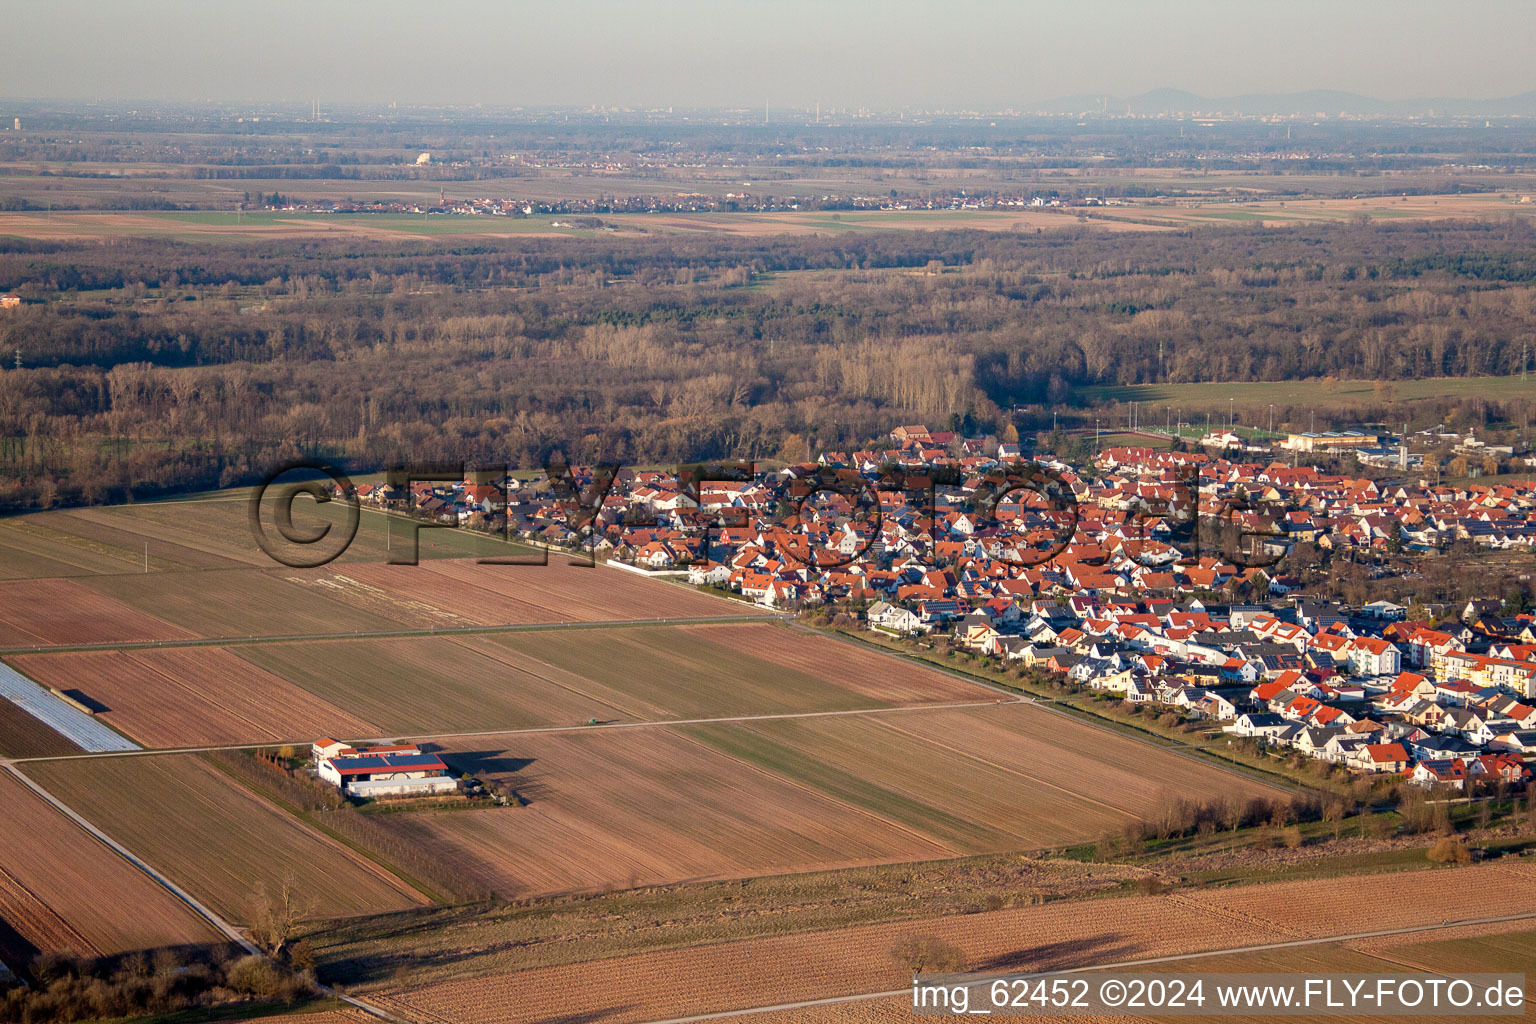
(1309, 907)
(1510, 946)
(619, 808)
(180, 533)
(270, 226)
(1507, 950)
(704, 979)
(22, 735)
(51, 612)
(715, 671)
(426, 684)
(226, 841)
(190, 696)
(202, 533)
(61, 889)
(1005, 777)
(453, 942)
(1291, 211)
(179, 696)
(238, 603)
(29, 549)
(560, 592)
(642, 806)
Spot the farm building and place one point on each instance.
(382, 771)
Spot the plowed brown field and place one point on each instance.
(50, 612)
(216, 838)
(651, 805)
(96, 894)
(624, 808)
(192, 696)
(526, 594)
(21, 735)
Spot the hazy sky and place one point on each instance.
(726, 53)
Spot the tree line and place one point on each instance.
(149, 366)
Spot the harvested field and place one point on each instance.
(557, 592)
(637, 807)
(226, 841)
(1068, 756)
(619, 808)
(50, 612)
(22, 735)
(174, 542)
(191, 696)
(731, 669)
(427, 684)
(59, 883)
(28, 924)
(30, 548)
(239, 603)
(847, 961)
(988, 778)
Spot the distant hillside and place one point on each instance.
(1300, 104)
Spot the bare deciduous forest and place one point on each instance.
(174, 366)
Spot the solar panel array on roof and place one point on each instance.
(386, 762)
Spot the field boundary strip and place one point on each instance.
(70, 722)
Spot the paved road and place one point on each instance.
(986, 979)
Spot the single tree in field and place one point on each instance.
(1334, 812)
(919, 953)
(275, 917)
